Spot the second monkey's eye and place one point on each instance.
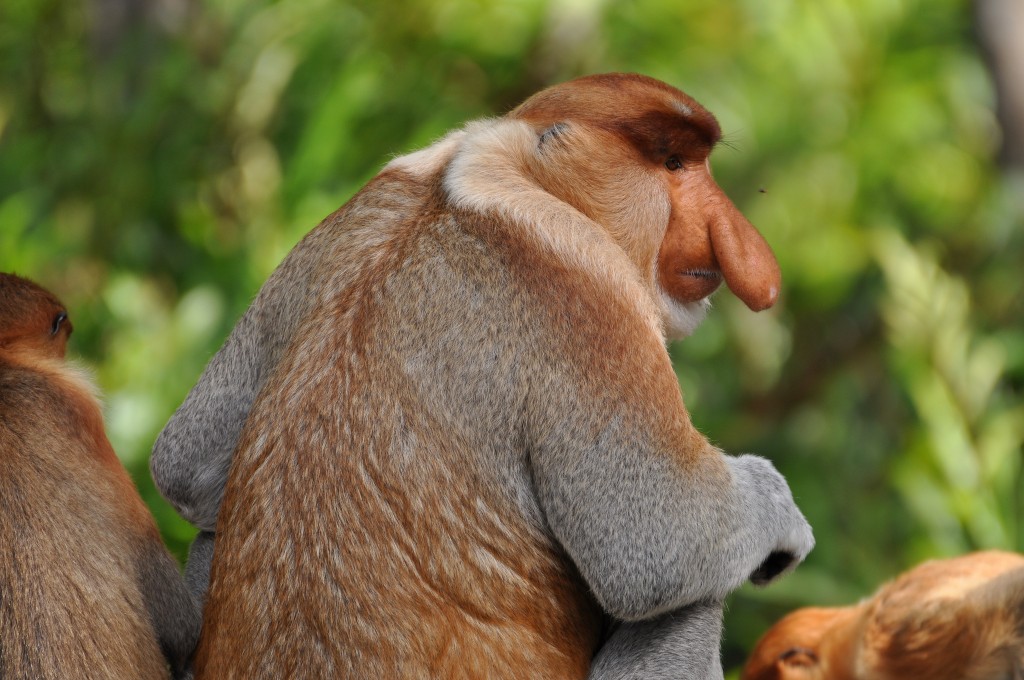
(673, 163)
(57, 321)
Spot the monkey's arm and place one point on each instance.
(192, 454)
(650, 536)
(654, 516)
(172, 610)
(197, 569)
(681, 644)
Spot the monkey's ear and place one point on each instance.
(552, 133)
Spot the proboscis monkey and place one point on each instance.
(451, 433)
(87, 589)
(955, 619)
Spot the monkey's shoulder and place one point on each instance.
(44, 394)
(22, 387)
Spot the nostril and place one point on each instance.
(776, 563)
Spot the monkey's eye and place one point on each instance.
(57, 322)
(673, 163)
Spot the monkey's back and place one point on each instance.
(390, 531)
(956, 618)
(70, 602)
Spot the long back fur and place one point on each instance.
(70, 589)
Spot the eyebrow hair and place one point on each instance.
(663, 131)
(702, 120)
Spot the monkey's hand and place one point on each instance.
(650, 537)
(681, 644)
(192, 454)
(771, 511)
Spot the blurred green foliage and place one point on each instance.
(156, 166)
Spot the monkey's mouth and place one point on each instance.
(695, 284)
(709, 274)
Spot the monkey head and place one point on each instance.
(798, 647)
(32, 318)
(952, 619)
(632, 154)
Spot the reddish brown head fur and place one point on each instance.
(955, 619)
(32, 318)
(707, 237)
(794, 648)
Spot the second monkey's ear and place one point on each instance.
(552, 133)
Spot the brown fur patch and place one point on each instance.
(379, 518)
(76, 535)
(657, 119)
(955, 619)
(419, 567)
(27, 318)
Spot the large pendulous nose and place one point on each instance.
(745, 258)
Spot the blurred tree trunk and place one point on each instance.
(111, 20)
(1001, 33)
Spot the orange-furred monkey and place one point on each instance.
(955, 619)
(446, 440)
(87, 589)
